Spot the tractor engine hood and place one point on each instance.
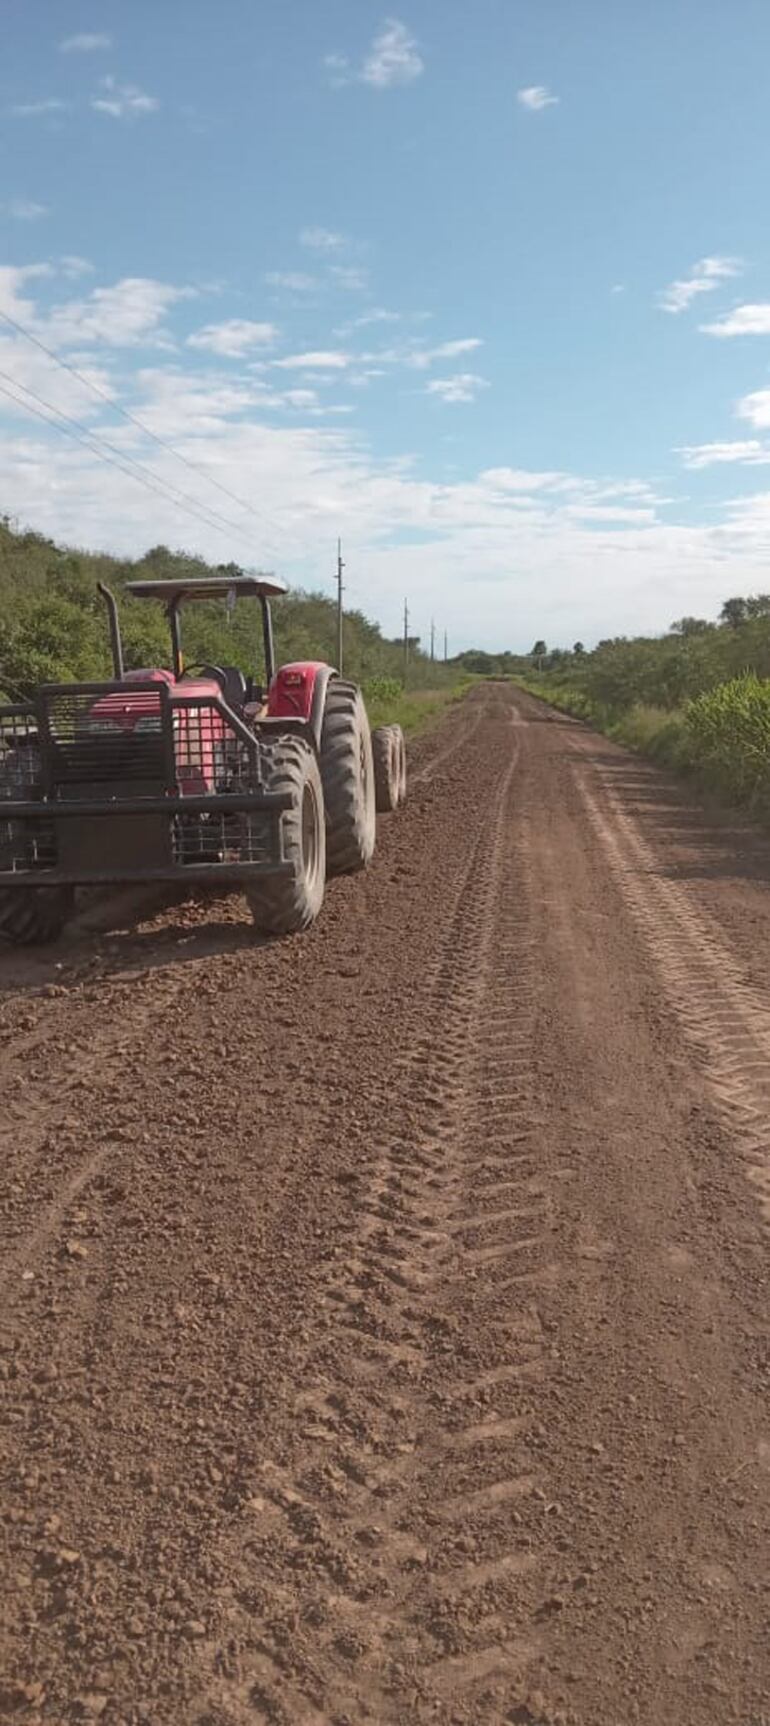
(126, 707)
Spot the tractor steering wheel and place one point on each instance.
(195, 665)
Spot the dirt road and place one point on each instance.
(384, 1311)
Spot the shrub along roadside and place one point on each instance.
(720, 738)
(415, 710)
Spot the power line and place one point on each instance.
(74, 428)
(127, 463)
(127, 415)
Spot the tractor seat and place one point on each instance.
(231, 682)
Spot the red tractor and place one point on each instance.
(197, 776)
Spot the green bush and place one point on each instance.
(382, 691)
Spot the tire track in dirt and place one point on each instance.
(413, 1371)
(478, 706)
(73, 1042)
(435, 1221)
(725, 1020)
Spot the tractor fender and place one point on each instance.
(298, 691)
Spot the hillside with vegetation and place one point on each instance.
(53, 627)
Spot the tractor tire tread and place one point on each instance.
(385, 749)
(287, 904)
(350, 806)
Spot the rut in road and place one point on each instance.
(727, 1022)
(448, 1227)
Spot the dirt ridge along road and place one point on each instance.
(383, 1326)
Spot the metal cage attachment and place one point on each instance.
(132, 781)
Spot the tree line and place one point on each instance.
(693, 657)
(53, 621)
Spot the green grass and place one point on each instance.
(415, 710)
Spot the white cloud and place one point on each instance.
(123, 101)
(48, 105)
(340, 70)
(32, 369)
(73, 267)
(755, 408)
(378, 316)
(321, 360)
(535, 97)
(129, 314)
(512, 479)
(704, 277)
(608, 512)
(13, 288)
(85, 43)
(463, 387)
(321, 239)
(393, 58)
(301, 398)
(354, 281)
(24, 210)
(421, 358)
(555, 553)
(361, 380)
(747, 450)
(503, 543)
(741, 321)
(294, 281)
(233, 339)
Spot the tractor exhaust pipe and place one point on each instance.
(115, 641)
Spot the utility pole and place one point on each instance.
(340, 591)
(406, 639)
(432, 640)
(445, 645)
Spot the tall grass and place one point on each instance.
(729, 733)
(721, 737)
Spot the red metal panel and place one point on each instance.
(291, 692)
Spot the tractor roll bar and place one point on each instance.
(267, 633)
(175, 598)
(177, 656)
(115, 641)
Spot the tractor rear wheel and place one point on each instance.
(284, 904)
(347, 771)
(387, 767)
(31, 916)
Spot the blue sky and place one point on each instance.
(485, 289)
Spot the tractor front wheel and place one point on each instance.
(347, 770)
(32, 916)
(284, 904)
